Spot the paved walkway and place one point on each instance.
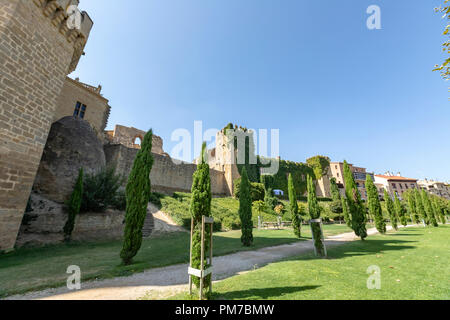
(160, 283)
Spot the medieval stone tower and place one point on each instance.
(37, 51)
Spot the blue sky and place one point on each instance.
(309, 68)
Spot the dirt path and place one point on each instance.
(160, 283)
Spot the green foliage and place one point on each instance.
(320, 165)
(73, 206)
(293, 209)
(267, 181)
(440, 208)
(346, 213)
(335, 194)
(245, 211)
(374, 205)
(100, 191)
(299, 173)
(314, 212)
(444, 68)
(429, 209)
(420, 207)
(412, 208)
(138, 195)
(400, 211)
(257, 191)
(391, 210)
(156, 197)
(355, 205)
(120, 200)
(270, 200)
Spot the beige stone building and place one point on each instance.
(394, 184)
(359, 174)
(85, 102)
(37, 51)
(435, 187)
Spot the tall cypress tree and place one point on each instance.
(391, 210)
(334, 189)
(400, 211)
(293, 207)
(440, 208)
(138, 196)
(314, 213)
(355, 205)
(201, 206)
(346, 213)
(374, 205)
(429, 209)
(412, 207)
(420, 207)
(245, 210)
(74, 206)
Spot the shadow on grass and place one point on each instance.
(263, 293)
(362, 248)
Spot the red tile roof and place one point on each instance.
(395, 178)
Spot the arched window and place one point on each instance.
(137, 141)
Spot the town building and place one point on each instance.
(359, 174)
(437, 188)
(394, 184)
(85, 102)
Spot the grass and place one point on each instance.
(39, 268)
(414, 264)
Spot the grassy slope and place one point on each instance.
(414, 262)
(33, 269)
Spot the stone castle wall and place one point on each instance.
(36, 54)
(166, 176)
(128, 136)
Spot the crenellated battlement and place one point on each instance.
(57, 12)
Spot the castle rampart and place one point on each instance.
(37, 51)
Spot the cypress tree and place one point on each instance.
(346, 213)
(413, 208)
(201, 206)
(314, 213)
(429, 209)
(245, 210)
(74, 206)
(420, 207)
(440, 209)
(355, 205)
(373, 202)
(138, 196)
(293, 207)
(391, 210)
(334, 189)
(400, 211)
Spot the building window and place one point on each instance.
(394, 186)
(80, 110)
(338, 174)
(401, 187)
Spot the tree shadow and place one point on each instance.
(361, 248)
(261, 293)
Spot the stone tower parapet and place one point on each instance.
(37, 51)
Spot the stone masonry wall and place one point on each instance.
(35, 57)
(97, 108)
(127, 136)
(166, 176)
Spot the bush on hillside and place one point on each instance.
(100, 191)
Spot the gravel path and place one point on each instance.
(160, 283)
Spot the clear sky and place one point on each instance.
(307, 67)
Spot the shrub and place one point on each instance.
(155, 198)
(138, 195)
(100, 190)
(336, 207)
(120, 201)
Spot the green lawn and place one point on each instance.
(414, 263)
(38, 268)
